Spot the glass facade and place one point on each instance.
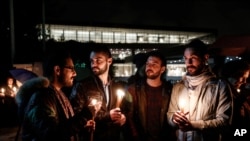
(120, 35)
(126, 36)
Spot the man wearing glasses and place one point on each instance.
(49, 115)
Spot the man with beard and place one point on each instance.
(48, 115)
(147, 120)
(200, 106)
(100, 86)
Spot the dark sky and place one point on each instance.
(226, 16)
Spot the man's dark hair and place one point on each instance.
(159, 55)
(235, 69)
(95, 47)
(198, 46)
(57, 58)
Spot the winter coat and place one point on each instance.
(209, 109)
(92, 86)
(44, 116)
(138, 113)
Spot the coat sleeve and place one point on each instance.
(173, 105)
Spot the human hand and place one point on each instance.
(186, 127)
(90, 125)
(180, 118)
(121, 121)
(115, 114)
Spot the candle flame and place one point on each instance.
(93, 101)
(2, 90)
(120, 93)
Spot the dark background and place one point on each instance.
(226, 17)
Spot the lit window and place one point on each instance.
(83, 36)
(107, 37)
(131, 38)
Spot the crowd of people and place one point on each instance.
(203, 106)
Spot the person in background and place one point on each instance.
(236, 72)
(201, 105)
(110, 118)
(150, 100)
(11, 87)
(9, 106)
(49, 115)
(139, 61)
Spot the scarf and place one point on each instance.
(193, 81)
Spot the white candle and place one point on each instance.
(2, 90)
(120, 94)
(182, 103)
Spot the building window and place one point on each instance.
(57, 34)
(96, 36)
(83, 36)
(120, 37)
(107, 37)
(70, 35)
(124, 69)
(131, 38)
(153, 38)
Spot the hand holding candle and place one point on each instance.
(95, 103)
(120, 94)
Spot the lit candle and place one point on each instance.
(238, 90)
(2, 90)
(120, 94)
(93, 102)
(182, 105)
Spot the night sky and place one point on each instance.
(226, 16)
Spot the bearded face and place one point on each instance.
(153, 68)
(194, 63)
(100, 63)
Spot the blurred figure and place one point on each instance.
(10, 87)
(49, 115)
(151, 98)
(110, 118)
(9, 105)
(200, 106)
(236, 73)
(139, 61)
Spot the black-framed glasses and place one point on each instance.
(72, 68)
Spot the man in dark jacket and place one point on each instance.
(147, 120)
(49, 115)
(110, 117)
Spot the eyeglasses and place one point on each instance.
(72, 68)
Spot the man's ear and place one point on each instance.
(206, 56)
(110, 60)
(57, 70)
(163, 68)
